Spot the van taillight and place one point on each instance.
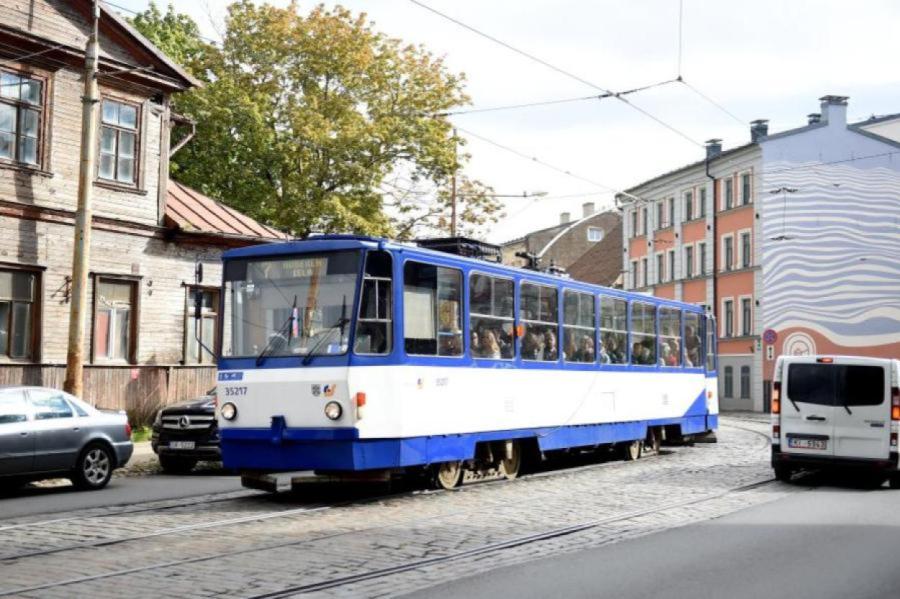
(895, 403)
(776, 398)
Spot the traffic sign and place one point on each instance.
(770, 336)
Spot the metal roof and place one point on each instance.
(192, 212)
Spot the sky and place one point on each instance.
(768, 59)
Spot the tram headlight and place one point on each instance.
(333, 410)
(228, 411)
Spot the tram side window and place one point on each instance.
(692, 344)
(373, 329)
(643, 334)
(613, 330)
(578, 327)
(431, 310)
(670, 336)
(491, 317)
(540, 316)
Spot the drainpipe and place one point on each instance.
(713, 149)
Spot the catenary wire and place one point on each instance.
(559, 70)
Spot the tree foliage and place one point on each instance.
(303, 118)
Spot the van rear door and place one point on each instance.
(807, 408)
(862, 412)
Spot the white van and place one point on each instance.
(836, 411)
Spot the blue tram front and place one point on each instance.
(349, 354)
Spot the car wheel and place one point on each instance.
(94, 467)
(175, 465)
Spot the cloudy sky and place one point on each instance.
(756, 58)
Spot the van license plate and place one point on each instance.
(181, 444)
(820, 444)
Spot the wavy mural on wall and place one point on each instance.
(831, 252)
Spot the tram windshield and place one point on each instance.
(290, 306)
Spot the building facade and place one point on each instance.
(562, 245)
(148, 233)
(791, 239)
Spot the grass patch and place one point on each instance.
(142, 434)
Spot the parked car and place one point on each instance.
(47, 433)
(836, 412)
(185, 433)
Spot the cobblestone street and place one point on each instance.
(247, 545)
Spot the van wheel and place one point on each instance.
(94, 467)
(783, 473)
(633, 450)
(175, 465)
(894, 480)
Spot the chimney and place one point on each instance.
(759, 129)
(834, 110)
(814, 118)
(713, 148)
(564, 218)
(587, 209)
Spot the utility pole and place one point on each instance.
(453, 188)
(81, 254)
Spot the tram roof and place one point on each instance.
(337, 242)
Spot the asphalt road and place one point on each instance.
(32, 500)
(821, 543)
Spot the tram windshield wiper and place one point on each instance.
(279, 334)
(340, 323)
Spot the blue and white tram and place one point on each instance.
(347, 354)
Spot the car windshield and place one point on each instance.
(290, 306)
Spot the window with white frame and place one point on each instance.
(671, 212)
(644, 269)
(688, 205)
(634, 273)
(660, 268)
(745, 189)
(727, 193)
(728, 318)
(671, 265)
(660, 216)
(594, 234)
(21, 116)
(634, 223)
(643, 221)
(114, 319)
(118, 142)
(702, 203)
(745, 382)
(200, 334)
(746, 316)
(727, 252)
(688, 261)
(18, 292)
(746, 252)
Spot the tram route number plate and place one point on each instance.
(181, 444)
(795, 443)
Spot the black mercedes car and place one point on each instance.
(185, 433)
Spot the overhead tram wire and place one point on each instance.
(559, 70)
(8, 61)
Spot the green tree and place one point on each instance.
(303, 118)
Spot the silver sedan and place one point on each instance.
(47, 433)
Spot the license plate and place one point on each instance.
(820, 444)
(181, 444)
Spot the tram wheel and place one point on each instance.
(512, 464)
(653, 442)
(633, 450)
(448, 475)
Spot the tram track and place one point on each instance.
(384, 572)
(258, 517)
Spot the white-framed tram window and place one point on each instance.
(613, 330)
(539, 315)
(491, 323)
(432, 314)
(643, 333)
(579, 327)
(374, 327)
(670, 341)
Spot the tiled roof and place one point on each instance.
(191, 211)
(601, 264)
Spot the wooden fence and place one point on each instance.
(140, 390)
